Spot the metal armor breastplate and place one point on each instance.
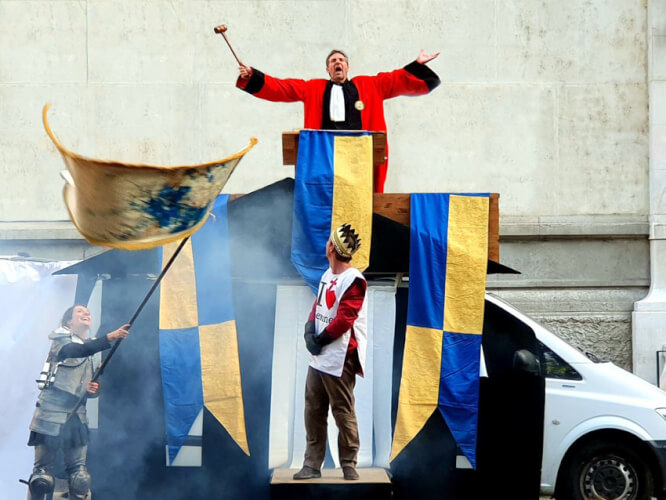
(73, 374)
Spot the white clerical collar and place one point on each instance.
(337, 103)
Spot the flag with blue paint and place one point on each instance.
(447, 281)
(198, 341)
(135, 206)
(333, 186)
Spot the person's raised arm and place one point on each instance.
(414, 79)
(90, 347)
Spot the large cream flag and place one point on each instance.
(133, 206)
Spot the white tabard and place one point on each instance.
(331, 289)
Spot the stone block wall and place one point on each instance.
(543, 102)
(595, 320)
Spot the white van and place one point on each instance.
(604, 428)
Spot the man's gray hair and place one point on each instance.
(336, 51)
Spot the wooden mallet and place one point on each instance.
(221, 29)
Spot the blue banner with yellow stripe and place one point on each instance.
(333, 186)
(447, 278)
(198, 342)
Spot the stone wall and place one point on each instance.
(596, 320)
(544, 102)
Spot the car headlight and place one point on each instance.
(662, 412)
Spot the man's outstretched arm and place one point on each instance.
(255, 82)
(414, 79)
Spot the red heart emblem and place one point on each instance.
(330, 295)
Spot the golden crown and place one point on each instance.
(346, 240)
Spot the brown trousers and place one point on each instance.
(322, 389)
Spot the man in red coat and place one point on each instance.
(341, 103)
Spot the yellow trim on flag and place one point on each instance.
(466, 264)
(220, 374)
(178, 297)
(352, 191)
(419, 385)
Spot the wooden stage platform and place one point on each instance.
(373, 483)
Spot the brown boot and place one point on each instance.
(349, 473)
(307, 473)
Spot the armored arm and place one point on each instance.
(88, 348)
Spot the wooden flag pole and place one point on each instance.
(100, 370)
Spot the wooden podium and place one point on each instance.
(290, 147)
(395, 206)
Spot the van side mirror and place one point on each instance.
(526, 362)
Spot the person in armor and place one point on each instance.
(335, 336)
(66, 376)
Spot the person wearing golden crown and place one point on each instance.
(336, 337)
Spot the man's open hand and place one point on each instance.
(423, 58)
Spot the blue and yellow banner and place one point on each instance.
(447, 281)
(333, 186)
(198, 342)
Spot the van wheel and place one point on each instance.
(606, 472)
